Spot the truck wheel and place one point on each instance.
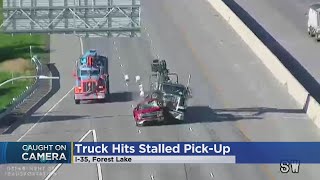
(108, 90)
(310, 31)
(77, 101)
(317, 37)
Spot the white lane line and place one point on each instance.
(132, 105)
(94, 134)
(53, 171)
(81, 45)
(127, 84)
(98, 164)
(152, 177)
(34, 125)
(139, 131)
(190, 129)
(60, 164)
(119, 57)
(84, 136)
(211, 175)
(114, 42)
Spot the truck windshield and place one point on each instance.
(84, 73)
(88, 72)
(171, 89)
(95, 72)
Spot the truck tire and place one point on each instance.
(108, 86)
(313, 34)
(310, 31)
(77, 101)
(317, 37)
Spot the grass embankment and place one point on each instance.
(15, 61)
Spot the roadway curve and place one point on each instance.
(235, 97)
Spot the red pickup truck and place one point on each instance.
(148, 111)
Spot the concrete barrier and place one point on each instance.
(281, 73)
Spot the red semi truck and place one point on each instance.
(92, 81)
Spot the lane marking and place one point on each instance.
(84, 136)
(139, 131)
(81, 139)
(193, 51)
(190, 129)
(114, 42)
(127, 84)
(119, 57)
(81, 45)
(53, 171)
(98, 164)
(35, 124)
(60, 164)
(132, 105)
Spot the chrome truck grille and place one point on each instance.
(89, 86)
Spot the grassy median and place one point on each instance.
(15, 61)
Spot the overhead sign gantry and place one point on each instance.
(112, 18)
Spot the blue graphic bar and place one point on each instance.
(244, 152)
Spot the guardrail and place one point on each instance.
(29, 89)
(280, 72)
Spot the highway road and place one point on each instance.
(235, 98)
(286, 22)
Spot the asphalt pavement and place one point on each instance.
(235, 98)
(282, 26)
